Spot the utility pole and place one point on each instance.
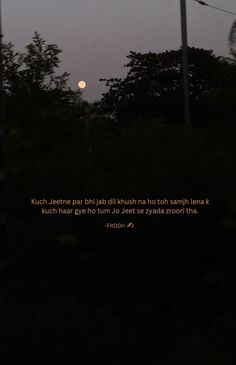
(183, 13)
(2, 141)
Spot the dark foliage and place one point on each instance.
(232, 40)
(153, 86)
(43, 115)
(75, 293)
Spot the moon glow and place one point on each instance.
(82, 84)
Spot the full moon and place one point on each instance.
(82, 84)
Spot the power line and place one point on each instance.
(214, 7)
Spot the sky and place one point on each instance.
(97, 35)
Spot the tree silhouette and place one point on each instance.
(33, 70)
(40, 107)
(153, 85)
(232, 40)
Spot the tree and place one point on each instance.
(40, 108)
(153, 85)
(232, 40)
(31, 84)
(33, 70)
(30, 79)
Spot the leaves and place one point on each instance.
(33, 70)
(153, 85)
(40, 109)
(232, 39)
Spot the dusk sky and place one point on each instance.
(97, 35)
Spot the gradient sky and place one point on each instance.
(96, 35)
